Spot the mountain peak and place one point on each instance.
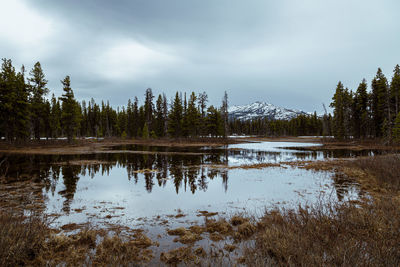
(260, 109)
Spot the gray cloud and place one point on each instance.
(290, 53)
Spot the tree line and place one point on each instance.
(367, 113)
(301, 125)
(26, 112)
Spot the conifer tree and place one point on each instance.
(214, 122)
(395, 89)
(192, 116)
(175, 117)
(159, 117)
(379, 102)
(55, 118)
(135, 114)
(202, 100)
(149, 107)
(396, 129)
(224, 113)
(21, 104)
(338, 112)
(145, 132)
(361, 117)
(13, 102)
(69, 117)
(37, 84)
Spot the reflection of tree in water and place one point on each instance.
(70, 175)
(185, 171)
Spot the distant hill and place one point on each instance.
(263, 110)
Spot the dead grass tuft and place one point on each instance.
(182, 254)
(221, 226)
(340, 234)
(238, 220)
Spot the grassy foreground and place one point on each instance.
(362, 233)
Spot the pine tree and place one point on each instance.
(338, 112)
(214, 122)
(202, 100)
(149, 107)
(145, 132)
(175, 117)
(396, 129)
(192, 116)
(55, 118)
(159, 117)
(361, 117)
(21, 105)
(135, 115)
(37, 84)
(13, 102)
(224, 113)
(395, 89)
(379, 102)
(69, 117)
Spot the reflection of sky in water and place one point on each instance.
(276, 152)
(230, 191)
(112, 184)
(270, 152)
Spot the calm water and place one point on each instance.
(146, 185)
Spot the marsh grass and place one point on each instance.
(28, 241)
(363, 233)
(338, 234)
(384, 169)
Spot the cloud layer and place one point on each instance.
(289, 53)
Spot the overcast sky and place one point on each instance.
(288, 53)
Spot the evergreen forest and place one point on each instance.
(27, 111)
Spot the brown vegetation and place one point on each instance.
(81, 146)
(342, 234)
(29, 241)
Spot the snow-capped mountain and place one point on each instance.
(262, 110)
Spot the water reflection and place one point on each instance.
(170, 177)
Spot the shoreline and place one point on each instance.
(90, 146)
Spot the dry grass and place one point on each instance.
(366, 233)
(21, 239)
(28, 241)
(385, 169)
(340, 235)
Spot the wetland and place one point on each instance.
(174, 197)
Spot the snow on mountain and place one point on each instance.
(263, 110)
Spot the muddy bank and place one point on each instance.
(61, 147)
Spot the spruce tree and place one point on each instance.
(159, 117)
(13, 103)
(192, 116)
(338, 112)
(175, 117)
(224, 113)
(55, 118)
(395, 89)
(202, 100)
(379, 102)
(145, 132)
(396, 129)
(21, 105)
(149, 107)
(69, 117)
(37, 84)
(214, 122)
(361, 117)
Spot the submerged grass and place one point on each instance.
(28, 241)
